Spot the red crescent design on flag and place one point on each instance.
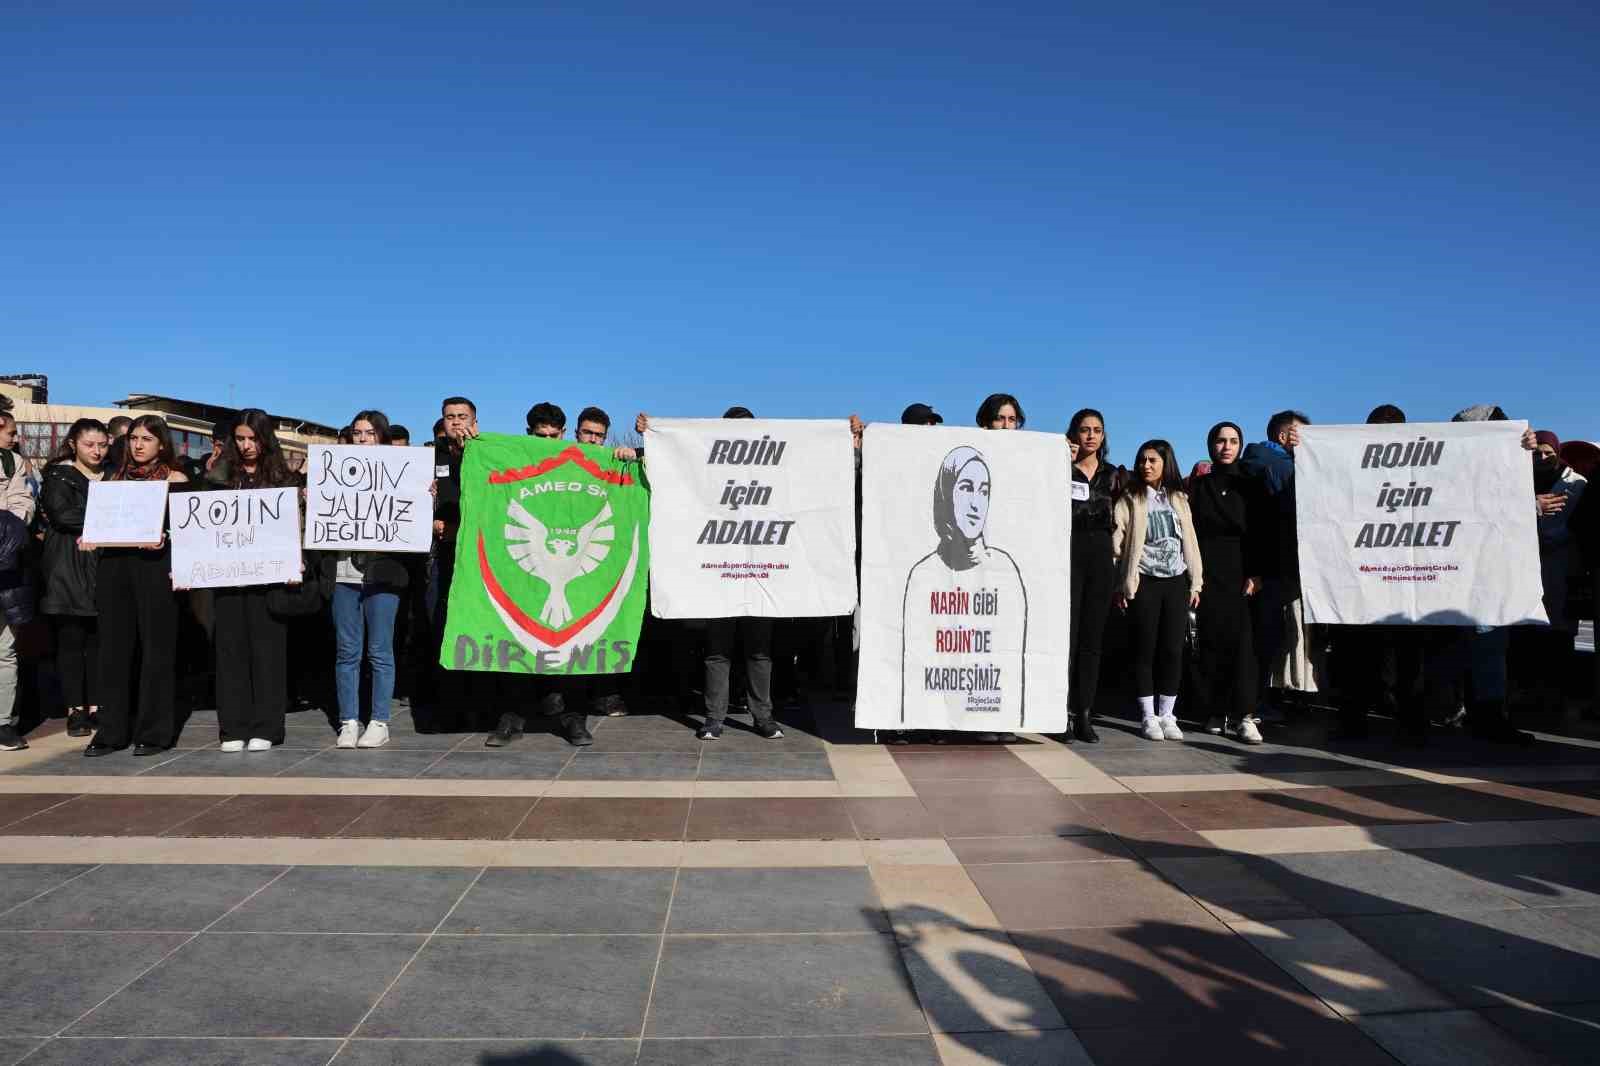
(552, 637)
(571, 455)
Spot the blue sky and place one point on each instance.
(1173, 214)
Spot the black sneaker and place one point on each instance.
(769, 730)
(710, 731)
(509, 729)
(10, 739)
(575, 728)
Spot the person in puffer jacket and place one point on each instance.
(16, 609)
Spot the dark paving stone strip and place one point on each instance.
(491, 764)
(211, 762)
(15, 806)
(351, 899)
(381, 763)
(967, 764)
(1084, 894)
(975, 815)
(770, 819)
(112, 815)
(77, 1051)
(276, 816)
(1146, 829)
(760, 766)
(441, 817)
(647, 766)
(1002, 849)
(561, 900)
(809, 900)
(602, 818)
(891, 818)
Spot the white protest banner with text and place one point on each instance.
(368, 498)
(965, 552)
(124, 512)
(1426, 523)
(235, 537)
(751, 517)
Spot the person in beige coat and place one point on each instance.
(1159, 581)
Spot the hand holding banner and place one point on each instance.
(368, 498)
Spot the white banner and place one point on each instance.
(235, 537)
(362, 497)
(124, 512)
(751, 517)
(1427, 523)
(966, 544)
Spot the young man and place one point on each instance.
(399, 436)
(1270, 464)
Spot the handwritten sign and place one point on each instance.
(233, 538)
(368, 498)
(124, 512)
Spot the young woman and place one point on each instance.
(1095, 487)
(1160, 574)
(138, 614)
(69, 572)
(1224, 657)
(1001, 410)
(252, 644)
(367, 587)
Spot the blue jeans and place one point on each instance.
(355, 609)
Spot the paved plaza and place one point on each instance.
(820, 900)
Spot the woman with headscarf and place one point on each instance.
(966, 611)
(1224, 660)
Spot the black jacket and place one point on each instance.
(69, 573)
(1094, 514)
(16, 592)
(447, 491)
(1223, 506)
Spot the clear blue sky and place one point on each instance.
(1174, 214)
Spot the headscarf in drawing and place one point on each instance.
(961, 507)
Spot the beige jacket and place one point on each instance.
(18, 493)
(1127, 539)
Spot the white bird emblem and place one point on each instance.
(558, 560)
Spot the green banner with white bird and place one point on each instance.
(552, 559)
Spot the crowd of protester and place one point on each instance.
(1189, 582)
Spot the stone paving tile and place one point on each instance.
(76, 1051)
(1281, 809)
(442, 817)
(20, 882)
(1564, 1034)
(381, 763)
(646, 766)
(1483, 959)
(210, 762)
(1535, 875)
(1143, 827)
(737, 736)
(520, 987)
(805, 985)
(488, 1052)
(1448, 1038)
(351, 899)
(1057, 1047)
(564, 900)
(968, 765)
(1339, 968)
(980, 850)
(1083, 894)
(979, 816)
(489, 764)
(600, 818)
(1305, 1039)
(142, 898)
(250, 984)
(73, 763)
(112, 816)
(15, 806)
(770, 819)
(1162, 758)
(64, 974)
(1587, 918)
(1378, 882)
(987, 786)
(891, 818)
(804, 900)
(975, 981)
(1230, 889)
(756, 766)
(13, 1049)
(276, 816)
(793, 1051)
(619, 737)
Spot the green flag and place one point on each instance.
(552, 559)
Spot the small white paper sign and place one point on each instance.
(124, 512)
(238, 537)
(368, 498)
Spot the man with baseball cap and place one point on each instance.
(920, 414)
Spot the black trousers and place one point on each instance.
(1159, 617)
(1094, 582)
(138, 630)
(1224, 656)
(756, 635)
(1377, 668)
(252, 666)
(77, 657)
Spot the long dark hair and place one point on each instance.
(378, 420)
(165, 457)
(989, 409)
(69, 446)
(1105, 439)
(272, 469)
(1171, 478)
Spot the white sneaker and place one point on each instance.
(258, 744)
(1169, 728)
(1248, 733)
(233, 745)
(1215, 726)
(349, 733)
(376, 736)
(1152, 730)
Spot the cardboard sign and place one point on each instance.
(124, 513)
(368, 498)
(232, 538)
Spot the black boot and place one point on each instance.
(575, 727)
(508, 729)
(1487, 720)
(1083, 727)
